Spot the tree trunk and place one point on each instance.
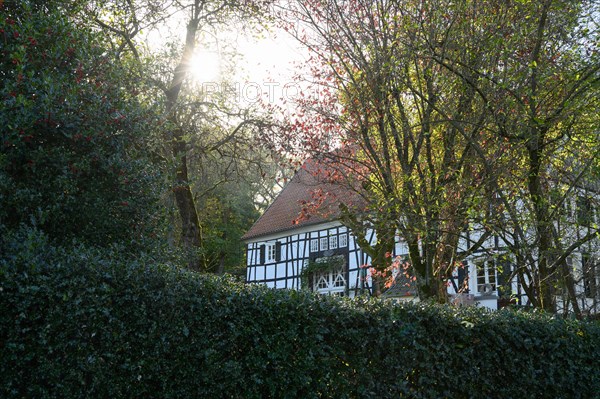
(222, 254)
(191, 233)
(221, 267)
(545, 280)
(569, 283)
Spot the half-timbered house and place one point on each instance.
(287, 250)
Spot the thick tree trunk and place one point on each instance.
(191, 233)
(546, 279)
(545, 282)
(419, 269)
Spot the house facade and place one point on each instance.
(318, 253)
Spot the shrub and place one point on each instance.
(90, 323)
(75, 141)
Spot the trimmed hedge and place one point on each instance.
(88, 324)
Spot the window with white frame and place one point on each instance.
(271, 251)
(331, 281)
(333, 242)
(486, 276)
(323, 244)
(314, 245)
(343, 241)
(329, 242)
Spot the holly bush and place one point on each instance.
(73, 132)
(91, 323)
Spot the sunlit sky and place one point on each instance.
(269, 57)
(267, 61)
(268, 64)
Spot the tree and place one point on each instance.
(539, 83)
(435, 99)
(398, 123)
(192, 126)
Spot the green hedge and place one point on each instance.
(86, 324)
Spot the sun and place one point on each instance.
(205, 66)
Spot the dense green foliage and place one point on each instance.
(89, 323)
(74, 134)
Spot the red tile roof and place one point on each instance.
(306, 200)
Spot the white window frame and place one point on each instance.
(331, 282)
(270, 253)
(314, 245)
(333, 242)
(486, 272)
(323, 243)
(343, 240)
